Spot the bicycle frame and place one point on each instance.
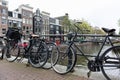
(71, 43)
(98, 54)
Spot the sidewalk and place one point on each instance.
(19, 71)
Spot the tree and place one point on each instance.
(85, 27)
(98, 31)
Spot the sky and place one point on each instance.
(99, 13)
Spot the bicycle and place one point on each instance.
(39, 53)
(52, 48)
(36, 53)
(108, 62)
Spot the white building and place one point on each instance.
(14, 19)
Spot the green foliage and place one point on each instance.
(98, 31)
(85, 27)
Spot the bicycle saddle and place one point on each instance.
(108, 30)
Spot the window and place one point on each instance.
(57, 27)
(30, 14)
(19, 24)
(10, 23)
(10, 14)
(19, 16)
(15, 15)
(23, 27)
(4, 11)
(23, 20)
(27, 21)
(24, 13)
(14, 23)
(51, 26)
(30, 21)
(27, 28)
(57, 32)
(27, 32)
(4, 3)
(3, 31)
(4, 21)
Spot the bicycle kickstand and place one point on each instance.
(89, 73)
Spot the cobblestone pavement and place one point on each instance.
(19, 71)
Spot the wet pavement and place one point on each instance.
(19, 71)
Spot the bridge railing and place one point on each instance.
(86, 37)
(81, 35)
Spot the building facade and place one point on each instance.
(27, 19)
(3, 17)
(37, 23)
(55, 28)
(22, 18)
(45, 18)
(14, 19)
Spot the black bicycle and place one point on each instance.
(39, 53)
(36, 53)
(108, 62)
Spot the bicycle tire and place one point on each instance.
(2, 53)
(64, 62)
(38, 55)
(52, 48)
(110, 66)
(12, 51)
(2, 49)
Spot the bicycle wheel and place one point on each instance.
(110, 66)
(38, 55)
(63, 62)
(2, 49)
(52, 48)
(2, 53)
(12, 51)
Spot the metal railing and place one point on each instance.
(81, 35)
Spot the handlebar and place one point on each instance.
(71, 35)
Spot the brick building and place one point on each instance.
(27, 19)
